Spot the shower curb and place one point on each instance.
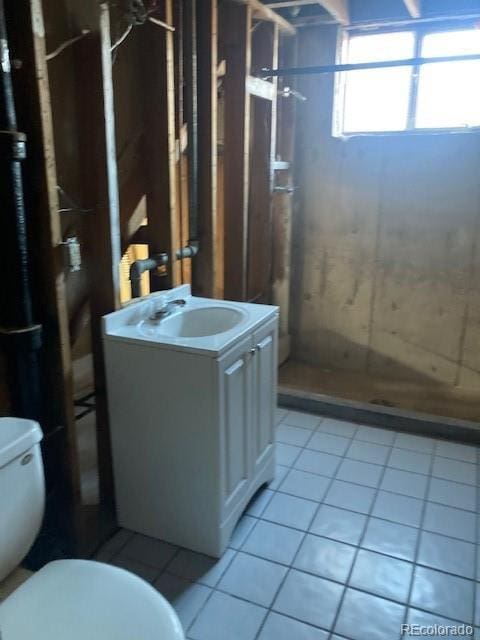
(386, 417)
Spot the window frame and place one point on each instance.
(419, 33)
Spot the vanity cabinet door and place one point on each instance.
(264, 393)
(235, 400)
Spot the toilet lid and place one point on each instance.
(80, 600)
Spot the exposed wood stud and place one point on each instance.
(236, 25)
(98, 151)
(262, 12)
(34, 115)
(338, 9)
(206, 267)
(262, 155)
(162, 201)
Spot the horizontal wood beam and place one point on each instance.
(285, 4)
(413, 7)
(262, 12)
(338, 9)
(260, 88)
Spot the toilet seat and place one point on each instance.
(80, 600)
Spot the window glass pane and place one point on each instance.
(451, 43)
(449, 92)
(378, 99)
(381, 46)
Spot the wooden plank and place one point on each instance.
(162, 197)
(181, 134)
(339, 9)
(32, 92)
(273, 127)
(285, 4)
(414, 8)
(236, 30)
(261, 88)
(283, 205)
(98, 151)
(259, 218)
(262, 155)
(262, 12)
(221, 69)
(206, 266)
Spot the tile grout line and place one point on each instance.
(353, 546)
(376, 464)
(319, 504)
(369, 486)
(362, 536)
(352, 438)
(417, 434)
(259, 518)
(314, 515)
(292, 617)
(434, 439)
(393, 493)
(213, 589)
(418, 541)
(476, 603)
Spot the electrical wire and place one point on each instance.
(160, 23)
(122, 38)
(67, 43)
(72, 205)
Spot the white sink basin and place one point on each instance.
(202, 326)
(195, 323)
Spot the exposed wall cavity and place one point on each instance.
(386, 254)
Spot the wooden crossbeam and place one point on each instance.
(261, 88)
(338, 9)
(413, 7)
(262, 12)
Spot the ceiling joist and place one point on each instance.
(413, 7)
(262, 12)
(338, 9)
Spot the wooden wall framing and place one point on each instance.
(27, 44)
(123, 145)
(249, 151)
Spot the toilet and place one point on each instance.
(67, 599)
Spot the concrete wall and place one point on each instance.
(386, 255)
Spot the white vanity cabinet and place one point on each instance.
(192, 426)
(247, 397)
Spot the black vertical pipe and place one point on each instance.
(190, 105)
(19, 336)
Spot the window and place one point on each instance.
(443, 95)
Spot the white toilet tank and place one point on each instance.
(22, 490)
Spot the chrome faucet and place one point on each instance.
(167, 309)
